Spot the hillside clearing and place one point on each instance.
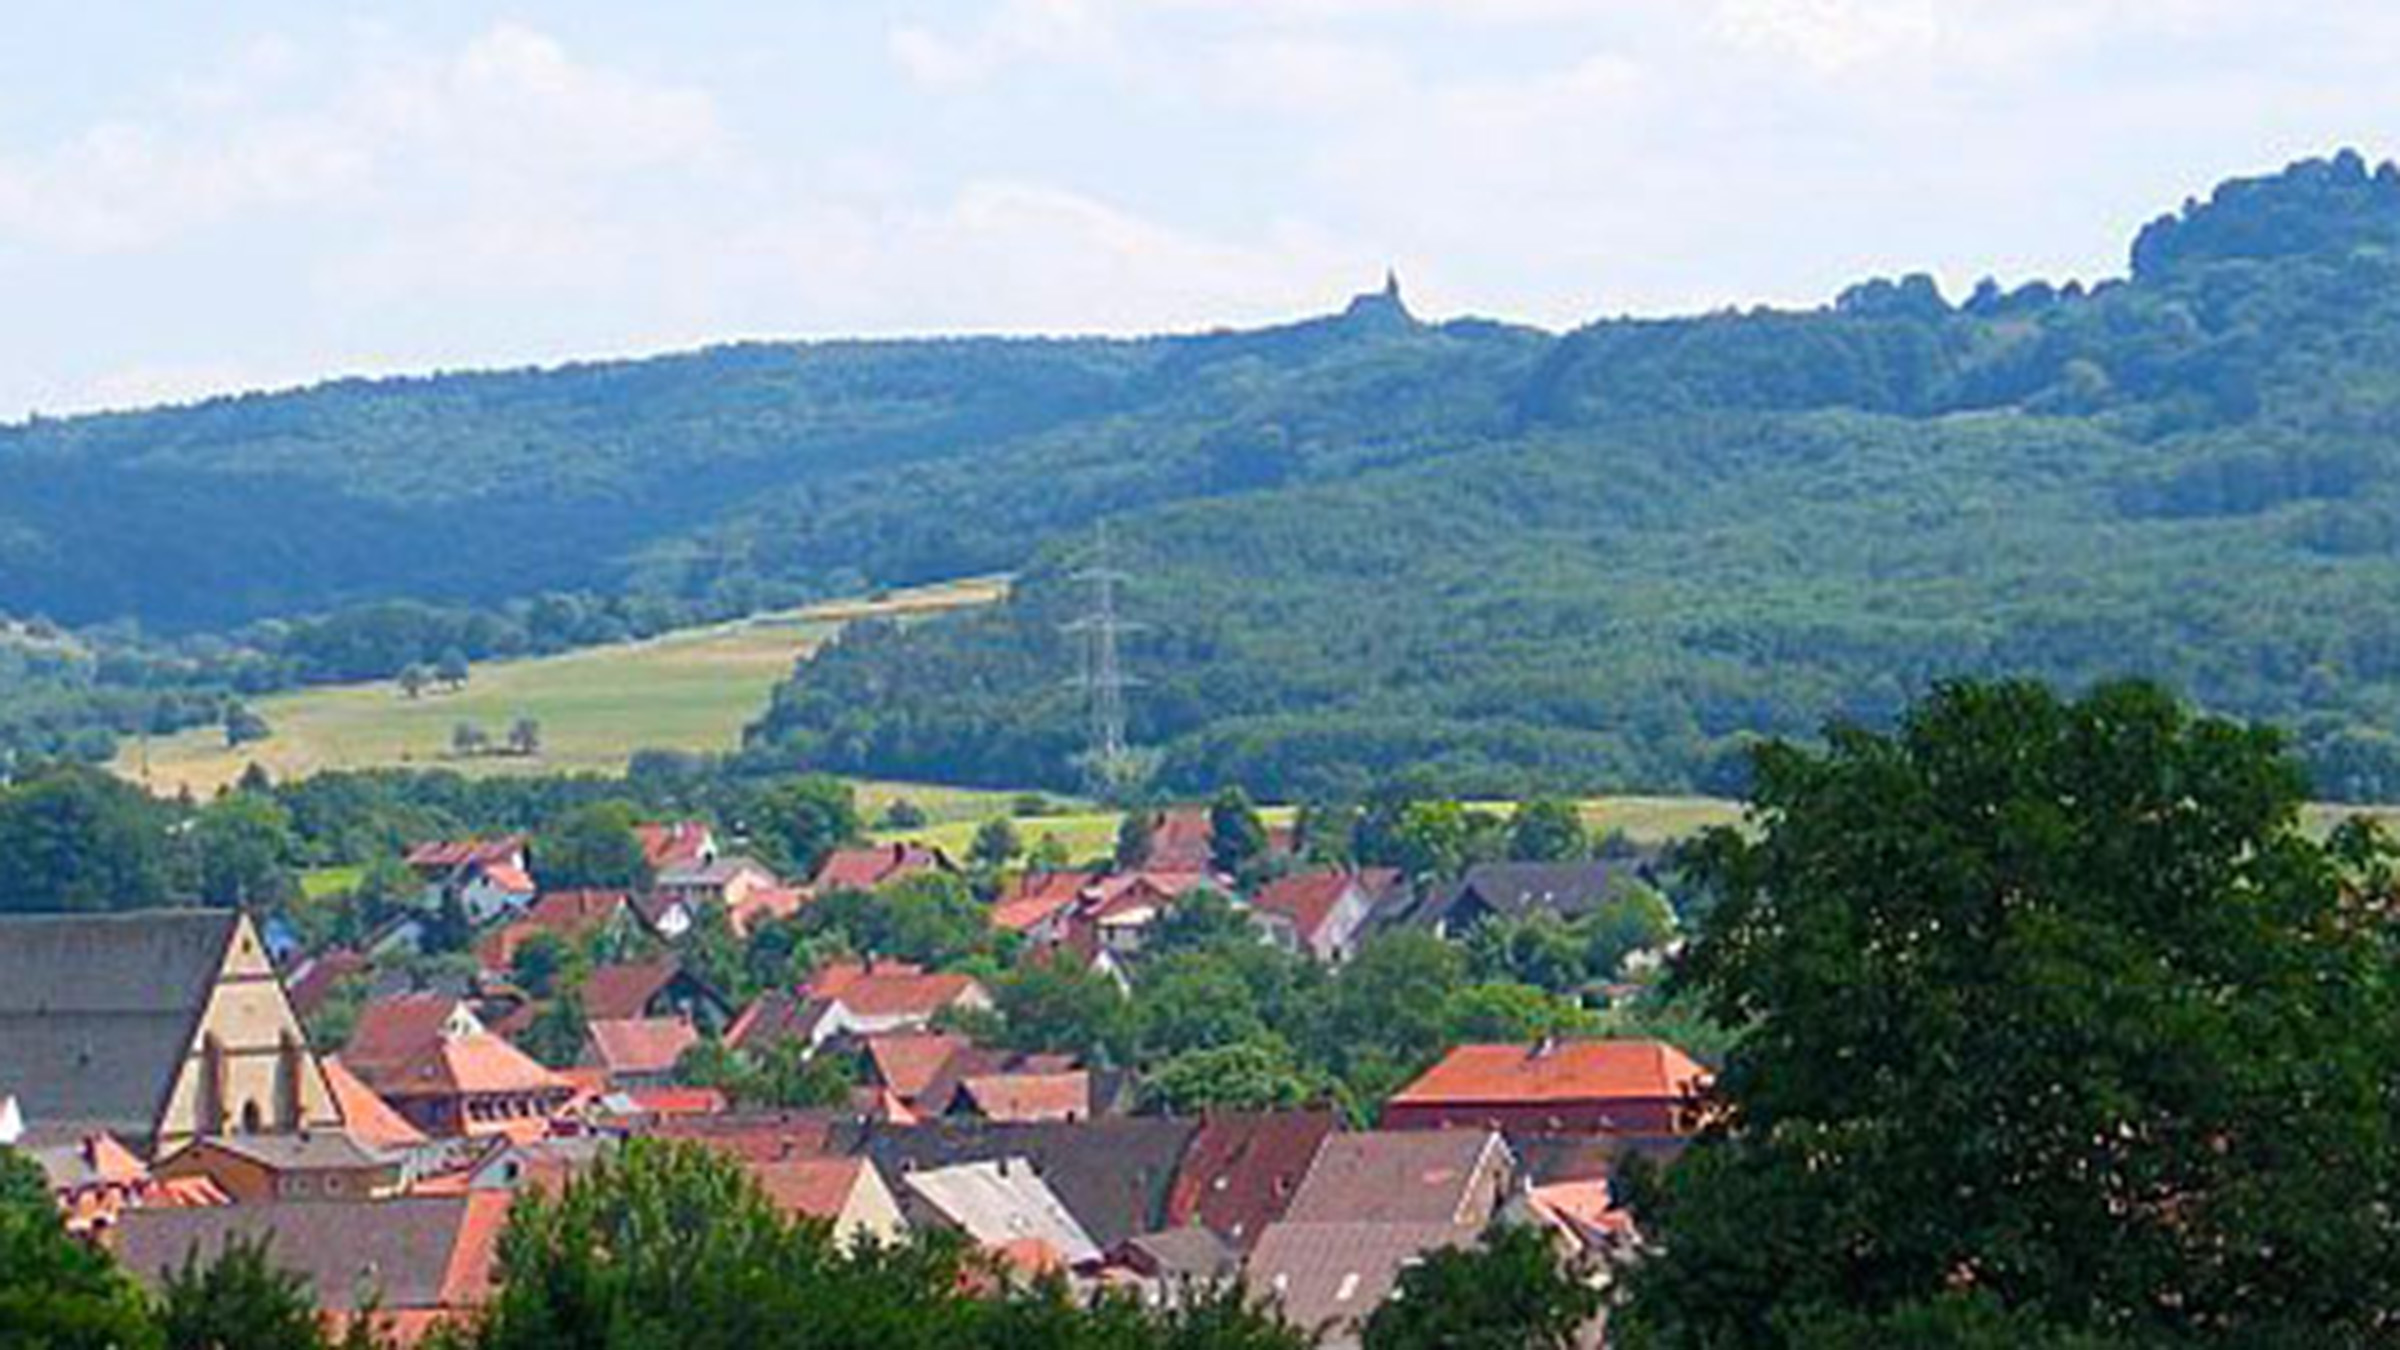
(689, 690)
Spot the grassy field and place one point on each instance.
(689, 690)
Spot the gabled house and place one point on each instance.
(157, 1027)
(1372, 1205)
(1037, 904)
(1000, 1203)
(491, 878)
(1515, 890)
(846, 1193)
(1242, 1170)
(867, 867)
(1321, 915)
(875, 996)
(673, 844)
(436, 861)
(476, 1084)
(1027, 1098)
(724, 881)
(416, 1261)
(1639, 1087)
(391, 1033)
(1182, 839)
(659, 988)
(570, 916)
(1113, 917)
(256, 1169)
(638, 1052)
(1112, 1174)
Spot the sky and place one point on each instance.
(261, 193)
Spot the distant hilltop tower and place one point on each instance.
(1382, 308)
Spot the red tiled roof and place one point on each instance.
(473, 1065)
(446, 854)
(774, 1016)
(1037, 896)
(889, 989)
(1569, 1071)
(864, 869)
(509, 877)
(1020, 1098)
(315, 982)
(640, 1045)
(367, 1118)
(1307, 899)
(390, 1031)
(1182, 838)
(567, 914)
(626, 990)
(678, 1101)
(910, 1062)
(763, 903)
(815, 1188)
(665, 844)
(757, 1137)
(1242, 1170)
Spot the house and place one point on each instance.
(490, 878)
(257, 1169)
(724, 882)
(157, 1027)
(490, 892)
(1321, 915)
(660, 988)
(1112, 1174)
(869, 867)
(1036, 904)
(94, 1178)
(1330, 1277)
(547, 1164)
(847, 1194)
(428, 1057)
(1515, 890)
(1242, 1170)
(417, 1261)
(1372, 1205)
(437, 861)
(911, 1063)
(570, 916)
(761, 905)
(878, 996)
(668, 845)
(1000, 1203)
(1172, 1265)
(1554, 1087)
(1182, 839)
(316, 979)
(638, 1051)
(767, 1136)
(367, 1118)
(1114, 916)
(1023, 1098)
(392, 1033)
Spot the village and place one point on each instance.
(160, 1068)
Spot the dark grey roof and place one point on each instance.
(305, 1151)
(98, 1012)
(1112, 1175)
(400, 1248)
(1519, 889)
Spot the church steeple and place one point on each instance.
(1383, 308)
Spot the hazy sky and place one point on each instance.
(196, 197)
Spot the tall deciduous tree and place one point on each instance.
(2051, 1008)
(592, 846)
(1237, 838)
(1548, 829)
(1509, 1292)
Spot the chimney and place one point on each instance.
(1544, 1048)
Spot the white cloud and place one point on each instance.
(1831, 35)
(1075, 31)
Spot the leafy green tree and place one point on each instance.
(546, 964)
(1540, 949)
(803, 819)
(525, 737)
(1259, 1074)
(931, 917)
(1205, 919)
(238, 1301)
(75, 838)
(1237, 837)
(1051, 1003)
(557, 1034)
(995, 845)
(1502, 1011)
(452, 668)
(1509, 1292)
(1133, 839)
(1193, 1001)
(592, 847)
(903, 814)
(244, 846)
(244, 726)
(1634, 919)
(57, 1293)
(1548, 829)
(1049, 854)
(2052, 1003)
(468, 740)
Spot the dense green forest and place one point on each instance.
(1361, 544)
(1697, 531)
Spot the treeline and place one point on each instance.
(1699, 532)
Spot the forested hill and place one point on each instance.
(1681, 534)
(736, 477)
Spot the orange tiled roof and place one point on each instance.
(1026, 1097)
(1037, 896)
(816, 1188)
(641, 1045)
(911, 1062)
(1569, 1071)
(469, 1065)
(763, 903)
(888, 989)
(1306, 899)
(367, 1118)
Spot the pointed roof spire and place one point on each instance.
(1391, 284)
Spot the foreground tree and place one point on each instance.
(57, 1293)
(239, 1301)
(2058, 1029)
(1510, 1292)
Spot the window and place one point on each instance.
(252, 1119)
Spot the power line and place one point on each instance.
(1109, 761)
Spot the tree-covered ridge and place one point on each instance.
(1696, 531)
